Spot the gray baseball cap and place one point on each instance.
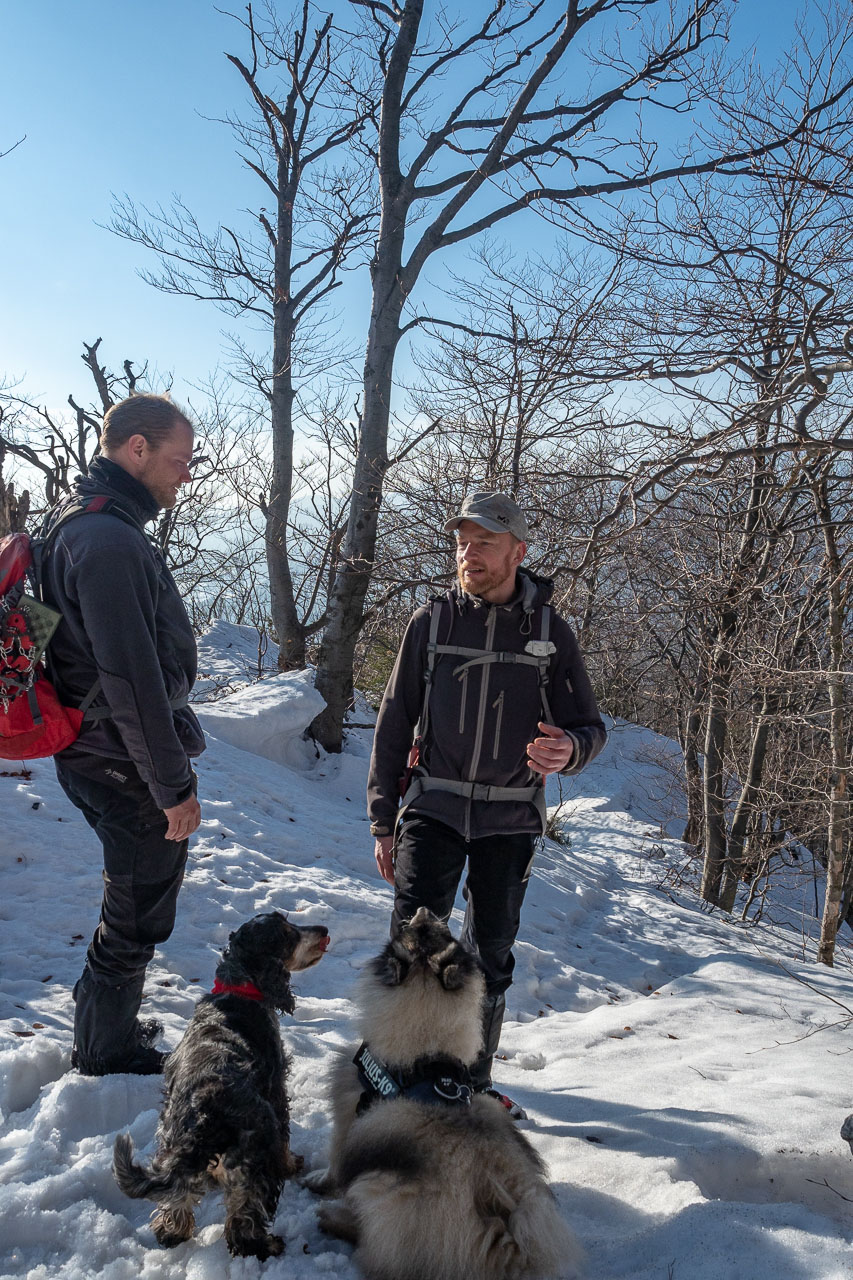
(495, 511)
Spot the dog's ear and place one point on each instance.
(261, 948)
(390, 967)
(273, 978)
(257, 937)
(454, 965)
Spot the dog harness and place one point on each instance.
(247, 989)
(437, 1082)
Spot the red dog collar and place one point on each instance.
(247, 989)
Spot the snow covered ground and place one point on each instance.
(686, 1075)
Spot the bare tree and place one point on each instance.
(492, 147)
(14, 507)
(307, 108)
(780, 311)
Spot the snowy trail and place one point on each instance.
(678, 1080)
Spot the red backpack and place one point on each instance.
(33, 722)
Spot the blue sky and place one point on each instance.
(112, 97)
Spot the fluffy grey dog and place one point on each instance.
(434, 1183)
(225, 1120)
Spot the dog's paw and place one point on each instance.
(319, 1181)
(338, 1220)
(172, 1225)
(166, 1240)
(293, 1164)
(260, 1247)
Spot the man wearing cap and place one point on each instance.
(491, 691)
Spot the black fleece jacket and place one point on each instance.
(481, 717)
(124, 623)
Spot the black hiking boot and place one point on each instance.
(143, 1061)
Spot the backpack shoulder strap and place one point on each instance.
(435, 612)
(544, 663)
(55, 520)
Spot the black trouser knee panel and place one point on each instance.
(143, 872)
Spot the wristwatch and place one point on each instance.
(380, 829)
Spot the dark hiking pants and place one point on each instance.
(430, 861)
(142, 875)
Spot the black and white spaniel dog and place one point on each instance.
(225, 1120)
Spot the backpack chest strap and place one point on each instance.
(481, 657)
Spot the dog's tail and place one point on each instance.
(134, 1179)
(524, 1235)
(542, 1238)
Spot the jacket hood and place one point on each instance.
(532, 589)
(536, 589)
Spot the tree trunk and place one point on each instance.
(14, 508)
(285, 617)
(838, 802)
(693, 830)
(355, 567)
(714, 796)
(746, 801)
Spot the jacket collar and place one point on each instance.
(106, 476)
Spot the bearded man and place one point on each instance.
(488, 696)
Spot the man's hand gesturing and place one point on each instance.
(550, 753)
